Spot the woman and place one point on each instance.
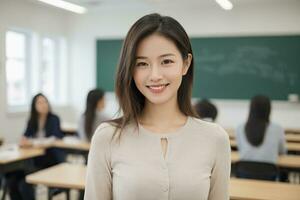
(93, 114)
(42, 123)
(259, 139)
(157, 149)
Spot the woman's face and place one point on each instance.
(100, 104)
(159, 69)
(41, 105)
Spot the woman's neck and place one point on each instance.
(162, 117)
(42, 118)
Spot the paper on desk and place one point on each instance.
(9, 151)
(71, 140)
(42, 141)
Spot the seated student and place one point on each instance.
(259, 139)
(42, 123)
(206, 110)
(93, 114)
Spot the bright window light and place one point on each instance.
(16, 66)
(225, 4)
(66, 5)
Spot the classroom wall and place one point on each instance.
(255, 17)
(27, 15)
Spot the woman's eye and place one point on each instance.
(167, 61)
(141, 64)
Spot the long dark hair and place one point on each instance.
(258, 119)
(92, 100)
(205, 109)
(130, 99)
(34, 115)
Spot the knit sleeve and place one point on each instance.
(99, 175)
(220, 177)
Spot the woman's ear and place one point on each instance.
(186, 64)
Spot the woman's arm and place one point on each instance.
(220, 177)
(55, 127)
(99, 177)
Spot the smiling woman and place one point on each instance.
(157, 149)
(159, 69)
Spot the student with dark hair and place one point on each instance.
(155, 151)
(42, 123)
(206, 110)
(259, 139)
(93, 115)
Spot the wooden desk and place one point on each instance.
(81, 145)
(292, 130)
(73, 177)
(64, 175)
(17, 162)
(245, 189)
(24, 153)
(292, 137)
(284, 161)
(291, 146)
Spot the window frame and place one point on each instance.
(27, 62)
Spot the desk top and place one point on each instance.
(245, 189)
(287, 161)
(64, 175)
(23, 154)
(80, 145)
(292, 130)
(292, 137)
(73, 177)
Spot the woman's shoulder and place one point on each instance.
(274, 127)
(104, 132)
(53, 117)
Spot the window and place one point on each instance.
(48, 68)
(34, 64)
(16, 44)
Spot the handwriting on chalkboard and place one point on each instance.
(246, 60)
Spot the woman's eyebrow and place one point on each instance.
(140, 57)
(167, 54)
(163, 55)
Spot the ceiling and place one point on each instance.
(95, 4)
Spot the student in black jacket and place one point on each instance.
(42, 123)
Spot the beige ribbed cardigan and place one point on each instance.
(196, 166)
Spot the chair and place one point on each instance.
(256, 170)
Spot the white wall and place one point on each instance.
(28, 16)
(247, 18)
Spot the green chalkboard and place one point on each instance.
(227, 67)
